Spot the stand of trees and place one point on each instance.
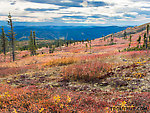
(146, 42)
(8, 42)
(32, 43)
(4, 39)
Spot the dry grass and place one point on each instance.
(62, 61)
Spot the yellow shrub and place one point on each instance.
(61, 61)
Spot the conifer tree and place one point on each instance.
(146, 39)
(125, 35)
(12, 35)
(60, 43)
(104, 38)
(34, 42)
(87, 40)
(3, 43)
(144, 44)
(86, 46)
(112, 38)
(129, 45)
(67, 43)
(34, 38)
(90, 46)
(139, 40)
(82, 41)
(53, 48)
(50, 48)
(130, 39)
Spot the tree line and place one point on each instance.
(8, 42)
(146, 41)
(11, 41)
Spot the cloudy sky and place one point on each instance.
(77, 12)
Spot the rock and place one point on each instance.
(41, 79)
(133, 88)
(55, 84)
(104, 84)
(124, 60)
(145, 90)
(22, 76)
(74, 88)
(120, 83)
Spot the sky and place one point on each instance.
(76, 12)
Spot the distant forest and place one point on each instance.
(64, 32)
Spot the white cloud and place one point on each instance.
(115, 8)
(65, 1)
(18, 10)
(84, 3)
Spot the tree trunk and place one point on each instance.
(12, 43)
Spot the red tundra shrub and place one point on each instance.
(89, 71)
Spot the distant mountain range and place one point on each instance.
(65, 32)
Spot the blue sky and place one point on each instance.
(76, 12)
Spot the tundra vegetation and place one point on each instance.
(104, 75)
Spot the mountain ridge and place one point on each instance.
(66, 32)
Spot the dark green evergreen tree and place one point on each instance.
(87, 40)
(130, 39)
(4, 42)
(86, 46)
(139, 40)
(67, 43)
(112, 38)
(12, 35)
(125, 35)
(129, 45)
(34, 42)
(146, 40)
(144, 44)
(104, 38)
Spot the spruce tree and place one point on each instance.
(125, 35)
(87, 40)
(3, 43)
(90, 46)
(129, 45)
(144, 44)
(53, 48)
(86, 46)
(112, 38)
(104, 38)
(146, 40)
(130, 39)
(34, 42)
(67, 43)
(12, 35)
(139, 40)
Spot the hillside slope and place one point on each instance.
(131, 30)
(84, 77)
